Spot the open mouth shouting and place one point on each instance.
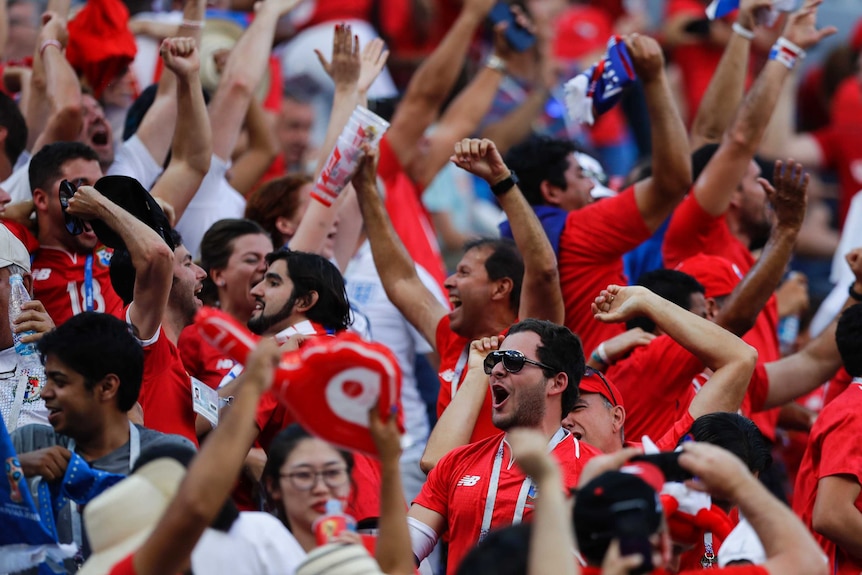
(499, 395)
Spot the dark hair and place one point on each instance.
(95, 345)
(539, 159)
(504, 261)
(504, 551)
(47, 164)
(737, 434)
(184, 454)
(674, 286)
(311, 272)
(700, 158)
(278, 198)
(279, 451)
(562, 350)
(217, 247)
(16, 128)
(848, 336)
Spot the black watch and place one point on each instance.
(854, 294)
(505, 185)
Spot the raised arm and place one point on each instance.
(192, 145)
(397, 272)
(61, 84)
(788, 200)
(790, 548)
(731, 359)
(541, 297)
(212, 473)
(155, 131)
(243, 72)
(800, 373)
(716, 184)
(430, 85)
(727, 85)
(262, 149)
(151, 257)
(659, 194)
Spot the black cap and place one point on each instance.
(129, 194)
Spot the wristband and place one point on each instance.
(47, 43)
(854, 294)
(505, 184)
(603, 354)
(496, 63)
(198, 24)
(743, 31)
(597, 358)
(786, 52)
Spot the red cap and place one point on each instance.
(581, 30)
(101, 47)
(717, 275)
(596, 382)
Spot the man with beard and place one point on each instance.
(301, 294)
(534, 380)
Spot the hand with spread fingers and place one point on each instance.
(371, 63)
(345, 65)
(801, 28)
(789, 196)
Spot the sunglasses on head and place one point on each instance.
(75, 226)
(590, 372)
(513, 361)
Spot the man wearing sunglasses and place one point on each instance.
(475, 488)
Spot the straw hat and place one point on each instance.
(222, 34)
(120, 519)
(339, 559)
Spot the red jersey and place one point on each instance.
(166, 389)
(837, 385)
(453, 351)
(833, 449)
(692, 230)
(655, 382)
(733, 570)
(201, 360)
(592, 244)
(458, 488)
(59, 282)
(839, 142)
(409, 217)
(125, 567)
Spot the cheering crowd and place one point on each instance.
(555, 320)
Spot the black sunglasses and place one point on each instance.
(513, 361)
(590, 372)
(75, 226)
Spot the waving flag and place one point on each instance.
(721, 8)
(595, 91)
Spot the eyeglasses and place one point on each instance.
(589, 372)
(75, 226)
(513, 361)
(306, 480)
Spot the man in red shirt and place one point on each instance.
(610, 505)
(492, 285)
(476, 488)
(70, 272)
(828, 494)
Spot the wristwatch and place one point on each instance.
(505, 184)
(496, 63)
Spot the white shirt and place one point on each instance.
(33, 408)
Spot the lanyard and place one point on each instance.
(459, 369)
(134, 453)
(523, 493)
(88, 283)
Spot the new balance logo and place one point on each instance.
(225, 363)
(469, 480)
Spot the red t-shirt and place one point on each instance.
(202, 360)
(590, 258)
(166, 389)
(453, 350)
(833, 449)
(58, 282)
(837, 385)
(655, 382)
(457, 488)
(124, 567)
(692, 230)
(840, 144)
(734, 570)
(409, 217)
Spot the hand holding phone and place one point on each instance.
(518, 37)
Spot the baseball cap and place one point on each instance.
(717, 275)
(593, 169)
(581, 31)
(12, 251)
(595, 381)
(129, 194)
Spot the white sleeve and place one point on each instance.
(422, 538)
(134, 160)
(17, 185)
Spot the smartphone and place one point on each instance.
(518, 37)
(633, 531)
(668, 463)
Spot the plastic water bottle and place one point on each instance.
(333, 522)
(28, 356)
(788, 331)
